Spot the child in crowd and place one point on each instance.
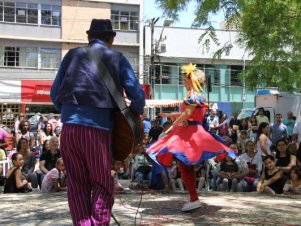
(174, 177)
(14, 182)
(201, 175)
(228, 175)
(271, 181)
(55, 179)
(242, 139)
(293, 184)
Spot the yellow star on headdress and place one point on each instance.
(188, 68)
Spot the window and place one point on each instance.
(1, 11)
(9, 12)
(50, 58)
(234, 75)
(134, 21)
(133, 58)
(11, 56)
(214, 73)
(46, 14)
(28, 57)
(21, 12)
(115, 19)
(166, 73)
(32, 14)
(51, 15)
(19, 56)
(123, 20)
(56, 15)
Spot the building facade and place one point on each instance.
(174, 47)
(35, 36)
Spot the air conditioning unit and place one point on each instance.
(163, 48)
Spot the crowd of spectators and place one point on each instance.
(34, 163)
(268, 157)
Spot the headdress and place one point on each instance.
(189, 70)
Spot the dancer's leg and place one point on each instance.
(189, 180)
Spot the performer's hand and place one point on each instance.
(164, 114)
(127, 101)
(185, 123)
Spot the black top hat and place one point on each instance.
(101, 27)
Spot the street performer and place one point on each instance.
(87, 114)
(187, 140)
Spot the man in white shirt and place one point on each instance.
(213, 121)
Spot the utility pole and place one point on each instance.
(152, 57)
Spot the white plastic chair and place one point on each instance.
(5, 166)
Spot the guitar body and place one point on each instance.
(127, 134)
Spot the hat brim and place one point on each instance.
(102, 32)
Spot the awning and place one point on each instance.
(267, 92)
(162, 103)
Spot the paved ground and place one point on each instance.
(155, 208)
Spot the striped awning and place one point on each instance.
(162, 103)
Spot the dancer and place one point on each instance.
(187, 140)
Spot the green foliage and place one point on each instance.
(269, 29)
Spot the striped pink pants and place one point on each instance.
(87, 156)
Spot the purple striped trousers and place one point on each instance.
(87, 157)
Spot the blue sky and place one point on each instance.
(186, 18)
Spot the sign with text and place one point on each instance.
(35, 91)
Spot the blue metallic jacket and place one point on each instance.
(83, 98)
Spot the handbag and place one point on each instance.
(128, 129)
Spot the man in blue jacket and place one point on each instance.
(87, 116)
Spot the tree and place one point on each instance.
(269, 29)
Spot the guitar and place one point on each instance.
(128, 133)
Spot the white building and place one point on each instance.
(174, 47)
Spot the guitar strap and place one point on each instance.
(115, 93)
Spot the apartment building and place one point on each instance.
(35, 36)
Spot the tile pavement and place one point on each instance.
(157, 208)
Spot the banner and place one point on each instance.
(35, 91)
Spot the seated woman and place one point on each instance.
(14, 182)
(271, 181)
(293, 184)
(285, 159)
(253, 161)
(228, 175)
(46, 133)
(29, 162)
(55, 179)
